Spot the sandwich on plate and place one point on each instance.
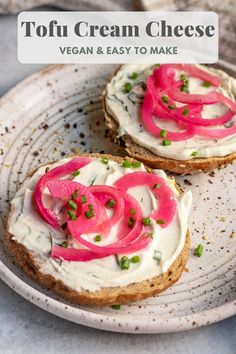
(100, 229)
(177, 117)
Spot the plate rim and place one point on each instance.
(102, 321)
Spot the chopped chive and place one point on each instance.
(157, 256)
(111, 203)
(166, 142)
(199, 250)
(163, 133)
(132, 211)
(165, 99)
(89, 214)
(146, 221)
(206, 84)
(194, 153)
(98, 238)
(184, 78)
(131, 222)
(126, 164)
(157, 186)
(72, 204)
(83, 199)
(117, 260)
(76, 173)
(133, 76)
(127, 87)
(74, 195)
(135, 259)
(116, 307)
(184, 88)
(124, 263)
(171, 106)
(185, 111)
(136, 164)
(160, 222)
(64, 244)
(72, 215)
(92, 181)
(157, 65)
(104, 160)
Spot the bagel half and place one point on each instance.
(28, 260)
(148, 157)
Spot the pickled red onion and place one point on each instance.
(103, 225)
(83, 255)
(161, 83)
(64, 189)
(166, 202)
(165, 85)
(148, 122)
(57, 172)
(199, 73)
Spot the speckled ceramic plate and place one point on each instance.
(57, 111)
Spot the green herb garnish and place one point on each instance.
(135, 259)
(111, 203)
(184, 88)
(124, 263)
(72, 215)
(146, 221)
(74, 195)
(194, 153)
(163, 133)
(89, 214)
(127, 87)
(64, 244)
(133, 76)
(104, 160)
(206, 84)
(116, 307)
(160, 222)
(184, 78)
(72, 204)
(171, 106)
(185, 112)
(157, 186)
(126, 164)
(83, 199)
(136, 164)
(76, 173)
(157, 256)
(166, 142)
(98, 238)
(131, 222)
(165, 99)
(132, 211)
(199, 250)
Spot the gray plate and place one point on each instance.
(52, 114)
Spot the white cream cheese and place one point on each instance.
(37, 236)
(126, 113)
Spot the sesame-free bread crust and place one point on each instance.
(29, 261)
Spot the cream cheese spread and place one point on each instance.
(126, 111)
(37, 236)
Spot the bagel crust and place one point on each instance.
(105, 296)
(140, 153)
